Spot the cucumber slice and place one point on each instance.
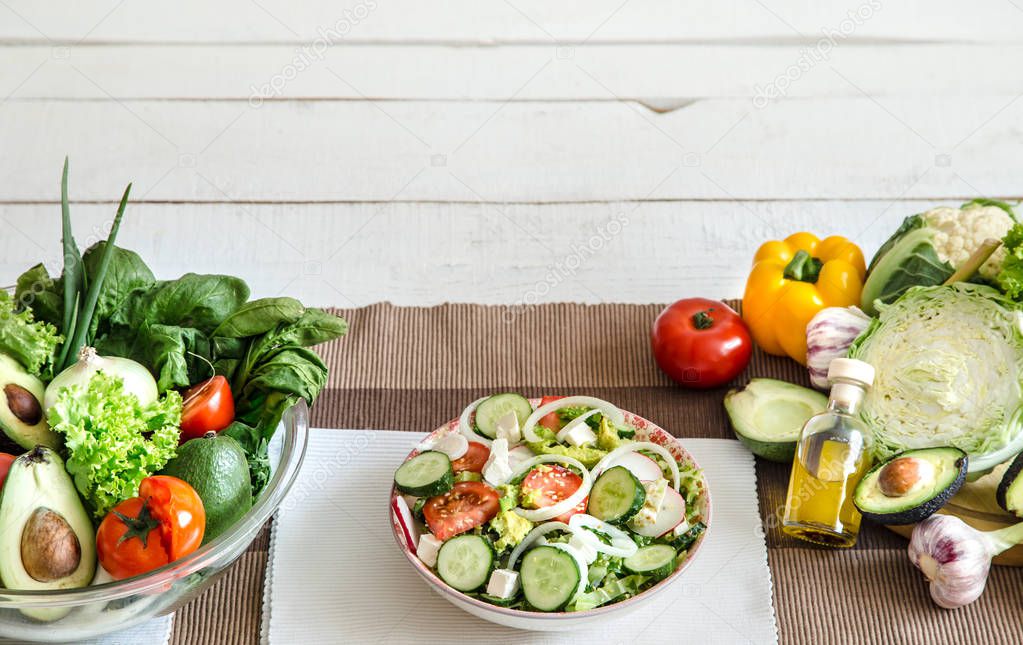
(768, 415)
(488, 412)
(550, 578)
(616, 495)
(425, 475)
(465, 561)
(656, 560)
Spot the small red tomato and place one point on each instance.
(165, 522)
(208, 407)
(701, 343)
(551, 421)
(5, 465)
(474, 459)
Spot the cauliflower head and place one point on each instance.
(959, 231)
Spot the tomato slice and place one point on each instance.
(550, 484)
(208, 407)
(551, 421)
(474, 459)
(461, 509)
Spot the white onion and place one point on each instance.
(621, 545)
(136, 378)
(607, 409)
(608, 459)
(574, 423)
(452, 444)
(466, 429)
(565, 505)
(537, 533)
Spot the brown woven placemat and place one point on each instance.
(412, 368)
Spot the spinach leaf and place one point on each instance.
(41, 294)
(170, 352)
(193, 300)
(314, 327)
(291, 370)
(259, 317)
(126, 273)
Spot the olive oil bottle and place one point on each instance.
(832, 456)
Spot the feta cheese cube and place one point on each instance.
(508, 428)
(428, 548)
(581, 435)
(679, 530)
(497, 470)
(503, 583)
(655, 492)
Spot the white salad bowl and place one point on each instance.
(563, 621)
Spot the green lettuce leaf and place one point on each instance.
(32, 343)
(113, 443)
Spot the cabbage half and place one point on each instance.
(948, 362)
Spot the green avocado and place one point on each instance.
(46, 539)
(216, 467)
(1009, 494)
(767, 416)
(912, 485)
(22, 416)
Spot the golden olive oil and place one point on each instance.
(832, 456)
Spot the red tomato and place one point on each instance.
(550, 421)
(461, 509)
(549, 484)
(701, 343)
(208, 407)
(5, 465)
(165, 522)
(474, 459)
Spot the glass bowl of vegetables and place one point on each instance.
(98, 609)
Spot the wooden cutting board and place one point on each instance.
(975, 504)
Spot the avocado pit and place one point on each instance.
(903, 475)
(50, 550)
(23, 404)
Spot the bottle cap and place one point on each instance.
(851, 369)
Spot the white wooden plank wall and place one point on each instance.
(365, 150)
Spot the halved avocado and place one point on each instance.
(1009, 494)
(768, 415)
(22, 417)
(912, 485)
(46, 537)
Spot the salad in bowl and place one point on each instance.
(544, 514)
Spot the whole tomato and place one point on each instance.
(207, 407)
(701, 343)
(5, 466)
(165, 522)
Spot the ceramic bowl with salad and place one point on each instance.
(548, 514)
(149, 429)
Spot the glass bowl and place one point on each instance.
(89, 612)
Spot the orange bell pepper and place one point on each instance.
(793, 279)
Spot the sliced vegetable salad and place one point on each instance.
(557, 507)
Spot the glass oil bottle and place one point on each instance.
(832, 456)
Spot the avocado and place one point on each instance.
(1009, 494)
(767, 416)
(216, 467)
(21, 410)
(46, 539)
(912, 485)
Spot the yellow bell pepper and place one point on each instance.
(793, 279)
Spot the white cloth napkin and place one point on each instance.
(335, 574)
(154, 632)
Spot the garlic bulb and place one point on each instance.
(956, 557)
(828, 336)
